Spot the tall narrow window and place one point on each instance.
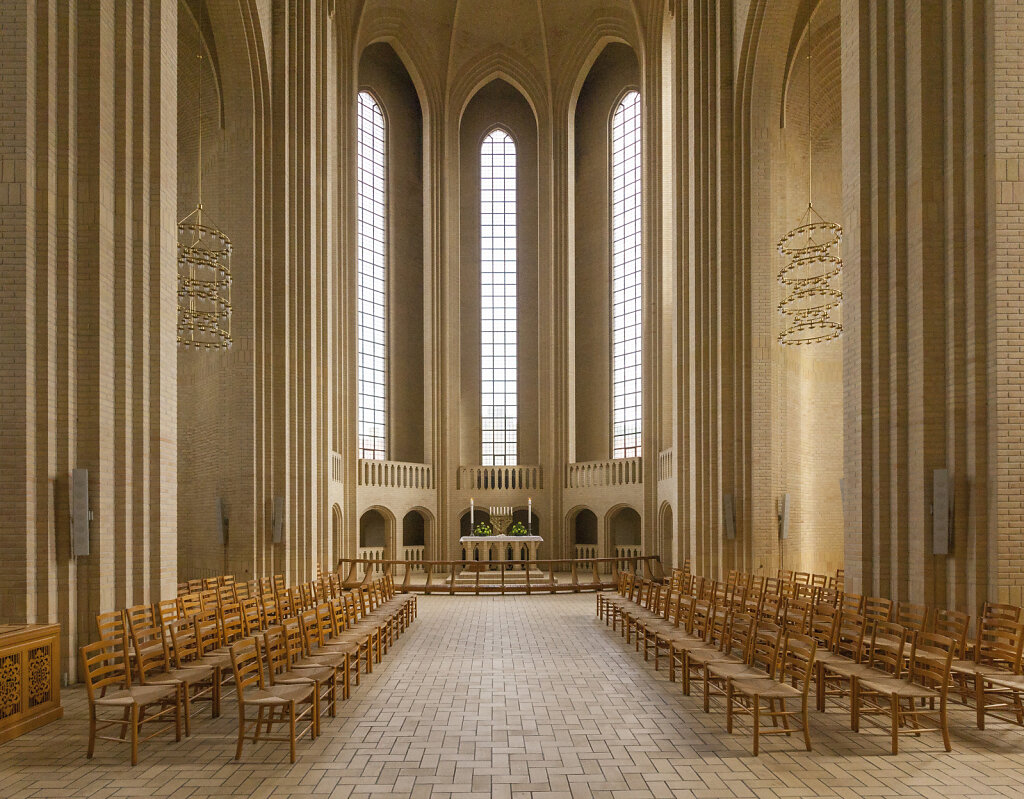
(499, 410)
(626, 272)
(372, 370)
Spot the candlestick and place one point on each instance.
(529, 515)
(471, 515)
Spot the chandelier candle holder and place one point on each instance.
(813, 263)
(204, 271)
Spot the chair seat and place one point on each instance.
(970, 668)
(187, 676)
(827, 656)
(735, 671)
(708, 656)
(278, 694)
(848, 668)
(766, 688)
(139, 695)
(893, 686)
(1008, 680)
(303, 675)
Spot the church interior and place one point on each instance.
(576, 398)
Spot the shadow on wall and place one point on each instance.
(625, 528)
(585, 528)
(372, 530)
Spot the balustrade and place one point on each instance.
(395, 474)
(615, 472)
(498, 478)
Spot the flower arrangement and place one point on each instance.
(482, 529)
(518, 528)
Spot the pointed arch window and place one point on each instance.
(372, 334)
(627, 398)
(499, 396)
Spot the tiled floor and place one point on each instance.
(517, 697)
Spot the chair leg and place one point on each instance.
(177, 713)
(135, 734)
(728, 707)
(757, 724)
(807, 728)
(291, 729)
(92, 730)
(894, 710)
(944, 724)
(979, 700)
(241, 731)
(854, 705)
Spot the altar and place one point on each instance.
(494, 550)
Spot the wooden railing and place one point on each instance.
(395, 474)
(500, 478)
(543, 575)
(616, 472)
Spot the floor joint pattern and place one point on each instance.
(519, 697)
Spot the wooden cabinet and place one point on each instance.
(29, 677)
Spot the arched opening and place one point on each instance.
(399, 239)
(531, 523)
(374, 536)
(613, 72)
(414, 538)
(624, 529)
(499, 281)
(667, 537)
(584, 534)
(479, 515)
(336, 551)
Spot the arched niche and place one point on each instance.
(383, 74)
(465, 528)
(615, 71)
(499, 105)
(531, 523)
(584, 528)
(414, 529)
(625, 527)
(373, 530)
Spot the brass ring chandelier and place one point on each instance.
(812, 264)
(204, 272)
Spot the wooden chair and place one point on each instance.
(912, 697)
(111, 626)
(253, 692)
(852, 603)
(108, 685)
(913, 617)
(885, 659)
(280, 671)
(997, 652)
(836, 666)
(166, 612)
(189, 605)
(154, 668)
(952, 624)
(695, 637)
(187, 656)
(767, 697)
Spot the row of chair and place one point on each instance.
(758, 652)
(288, 668)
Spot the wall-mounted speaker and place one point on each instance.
(222, 521)
(79, 512)
(784, 517)
(278, 520)
(942, 512)
(730, 517)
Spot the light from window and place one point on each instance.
(626, 274)
(499, 409)
(372, 366)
